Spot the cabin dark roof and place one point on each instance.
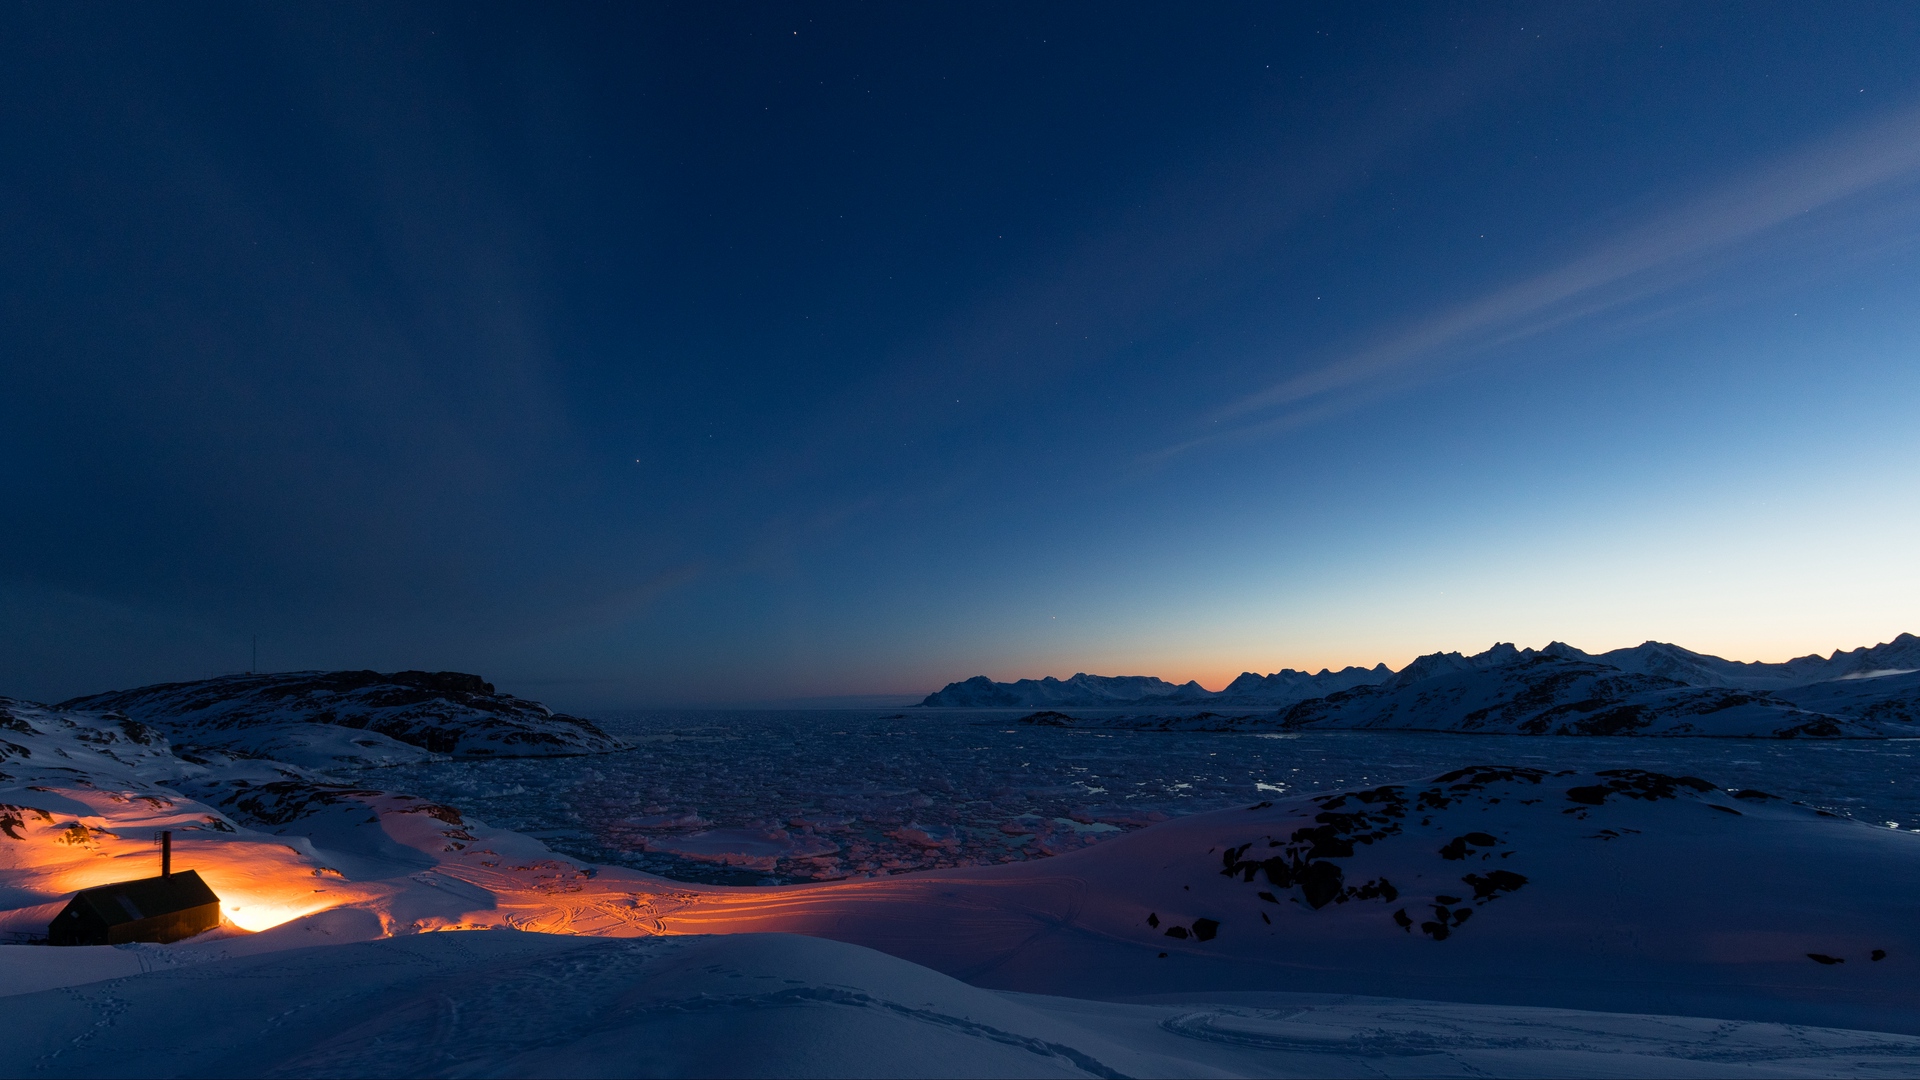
(131, 901)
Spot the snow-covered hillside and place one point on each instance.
(321, 718)
(1892, 699)
(1900, 655)
(1625, 890)
(1512, 893)
(84, 797)
(1475, 909)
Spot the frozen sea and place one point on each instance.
(766, 797)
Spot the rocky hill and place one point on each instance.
(321, 718)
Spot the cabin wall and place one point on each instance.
(85, 930)
(88, 929)
(173, 926)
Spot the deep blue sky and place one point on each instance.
(695, 353)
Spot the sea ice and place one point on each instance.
(881, 785)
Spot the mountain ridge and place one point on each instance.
(1650, 689)
(1287, 686)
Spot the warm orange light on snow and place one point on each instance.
(257, 915)
(260, 885)
(263, 885)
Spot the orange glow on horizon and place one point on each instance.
(1214, 673)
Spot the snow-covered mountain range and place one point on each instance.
(1111, 691)
(322, 718)
(1652, 689)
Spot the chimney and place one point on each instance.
(166, 853)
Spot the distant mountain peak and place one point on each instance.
(1659, 660)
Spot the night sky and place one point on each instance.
(636, 355)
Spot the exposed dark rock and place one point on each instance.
(1456, 848)
(1322, 883)
(1635, 784)
(283, 801)
(1493, 883)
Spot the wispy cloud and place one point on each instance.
(1625, 268)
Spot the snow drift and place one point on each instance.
(506, 1004)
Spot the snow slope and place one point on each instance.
(498, 1003)
(1891, 699)
(1902, 654)
(1657, 897)
(321, 718)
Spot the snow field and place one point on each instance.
(513, 1004)
(1525, 919)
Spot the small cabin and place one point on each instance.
(165, 908)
